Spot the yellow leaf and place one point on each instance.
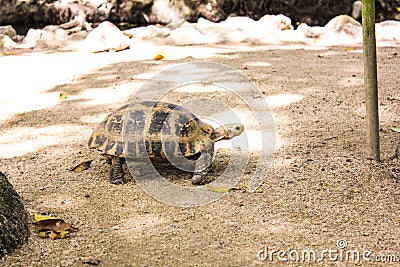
(398, 9)
(54, 234)
(62, 96)
(11, 53)
(224, 189)
(44, 234)
(40, 217)
(348, 48)
(158, 57)
(82, 166)
(162, 55)
(128, 35)
(58, 234)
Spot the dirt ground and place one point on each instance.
(320, 194)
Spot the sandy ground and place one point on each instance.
(320, 194)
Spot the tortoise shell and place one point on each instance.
(150, 129)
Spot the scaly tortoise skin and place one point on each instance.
(165, 130)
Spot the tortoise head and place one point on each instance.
(227, 131)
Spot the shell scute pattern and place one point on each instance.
(165, 128)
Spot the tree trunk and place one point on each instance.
(371, 79)
(14, 229)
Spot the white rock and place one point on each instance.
(388, 30)
(240, 29)
(149, 32)
(188, 35)
(106, 37)
(342, 21)
(270, 29)
(31, 38)
(280, 22)
(9, 31)
(6, 42)
(50, 36)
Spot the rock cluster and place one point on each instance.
(268, 30)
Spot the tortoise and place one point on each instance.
(158, 130)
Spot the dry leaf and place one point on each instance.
(52, 225)
(355, 190)
(62, 96)
(40, 217)
(90, 261)
(128, 35)
(158, 57)
(44, 234)
(58, 234)
(348, 48)
(162, 55)
(82, 166)
(54, 234)
(394, 129)
(11, 53)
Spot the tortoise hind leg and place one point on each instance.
(116, 171)
(203, 162)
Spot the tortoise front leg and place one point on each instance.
(203, 162)
(116, 171)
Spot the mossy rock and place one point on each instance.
(14, 230)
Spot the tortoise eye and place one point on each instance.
(237, 128)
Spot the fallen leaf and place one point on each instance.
(225, 189)
(44, 234)
(82, 166)
(162, 55)
(52, 225)
(348, 48)
(90, 261)
(128, 35)
(11, 53)
(394, 129)
(158, 57)
(62, 96)
(58, 234)
(54, 234)
(398, 9)
(355, 190)
(40, 217)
